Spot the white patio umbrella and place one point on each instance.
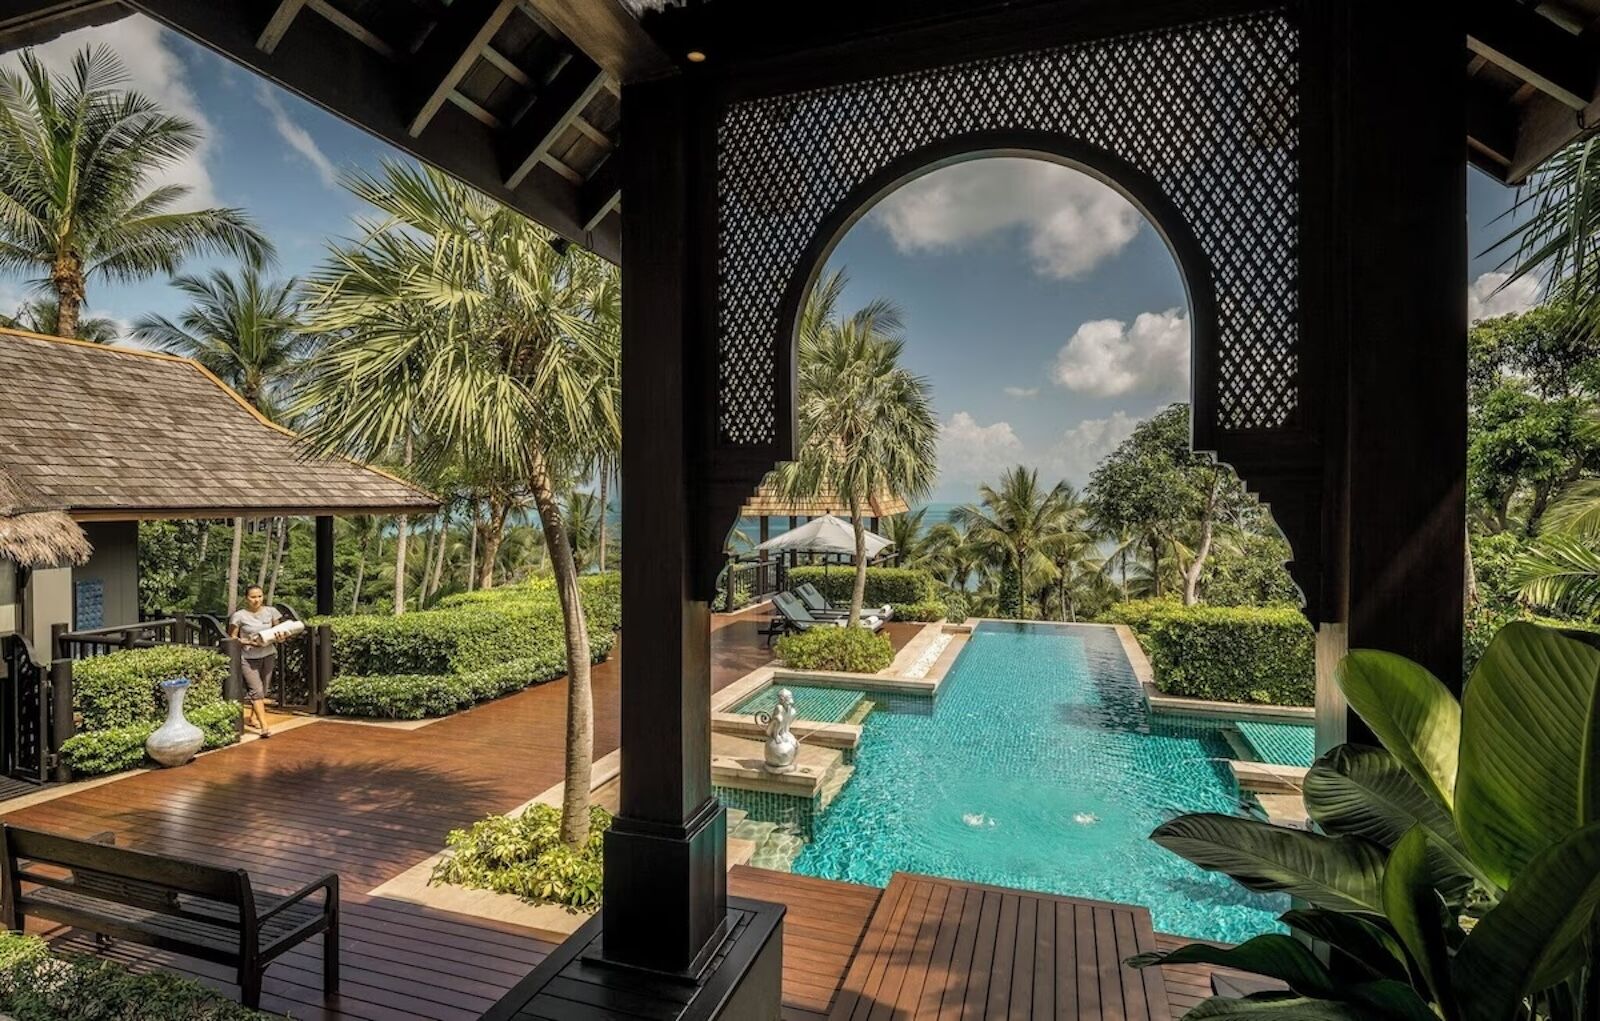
(828, 535)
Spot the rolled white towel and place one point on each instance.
(278, 632)
(871, 621)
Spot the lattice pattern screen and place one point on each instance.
(1208, 111)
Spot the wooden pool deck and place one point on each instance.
(371, 802)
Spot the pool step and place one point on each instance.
(738, 763)
(841, 736)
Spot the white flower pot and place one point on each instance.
(177, 740)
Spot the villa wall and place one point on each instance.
(8, 597)
(48, 601)
(105, 591)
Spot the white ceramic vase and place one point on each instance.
(177, 740)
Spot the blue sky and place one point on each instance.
(1047, 315)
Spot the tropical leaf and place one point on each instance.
(1411, 712)
(1418, 915)
(1561, 572)
(1525, 735)
(1273, 955)
(1534, 937)
(1288, 1008)
(1366, 792)
(1364, 947)
(1341, 873)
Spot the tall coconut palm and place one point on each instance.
(245, 329)
(43, 315)
(78, 154)
(866, 423)
(1020, 524)
(457, 318)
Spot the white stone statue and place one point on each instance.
(782, 749)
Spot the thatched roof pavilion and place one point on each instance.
(35, 534)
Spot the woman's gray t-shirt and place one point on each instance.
(251, 624)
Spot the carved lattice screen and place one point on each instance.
(1209, 112)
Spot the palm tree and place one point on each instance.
(458, 319)
(77, 155)
(584, 517)
(866, 423)
(43, 315)
(245, 330)
(1020, 525)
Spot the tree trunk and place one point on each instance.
(438, 553)
(1124, 574)
(361, 575)
(1155, 564)
(430, 539)
(233, 565)
(403, 524)
(205, 540)
(858, 592)
(580, 699)
(1191, 574)
(266, 552)
(494, 533)
(472, 546)
(66, 276)
(1470, 572)
(600, 556)
(277, 559)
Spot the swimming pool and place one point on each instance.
(1039, 768)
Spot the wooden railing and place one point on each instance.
(201, 630)
(746, 582)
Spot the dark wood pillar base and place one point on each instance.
(666, 898)
(742, 980)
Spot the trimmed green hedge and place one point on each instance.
(38, 986)
(114, 749)
(846, 649)
(1225, 653)
(892, 585)
(926, 612)
(121, 688)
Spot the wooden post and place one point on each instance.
(324, 565)
(1396, 415)
(764, 575)
(666, 889)
(62, 724)
(180, 629)
(233, 687)
(322, 673)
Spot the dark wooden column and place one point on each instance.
(665, 858)
(1390, 284)
(324, 565)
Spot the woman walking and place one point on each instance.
(260, 655)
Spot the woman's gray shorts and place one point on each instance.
(257, 675)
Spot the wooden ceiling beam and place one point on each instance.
(1513, 36)
(602, 193)
(278, 25)
(1491, 123)
(451, 48)
(608, 34)
(1546, 128)
(574, 86)
(31, 22)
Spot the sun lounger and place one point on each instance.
(820, 608)
(793, 616)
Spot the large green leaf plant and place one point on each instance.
(1454, 873)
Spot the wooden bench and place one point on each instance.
(171, 904)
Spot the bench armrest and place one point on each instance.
(329, 883)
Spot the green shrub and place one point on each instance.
(1226, 653)
(885, 585)
(955, 607)
(525, 856)
(36, 986)
(398, 696)
(851, 650)
(120, 688)
(114, 749)
(926, 611)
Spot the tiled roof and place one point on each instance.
(108, 432)
(770, 502)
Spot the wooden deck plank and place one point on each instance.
(824, 926)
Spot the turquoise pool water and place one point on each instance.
(1282, 744)
(1038, 768)
(825, 705)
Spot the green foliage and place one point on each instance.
(36, 986)
(1456, 873)
(169, 555)
(1250, 572)
(852, 650)
(114, 749)
(926, 611)
(1225, 653)
(120, 688)
(955, 604)
(525, 856)
(885, 585)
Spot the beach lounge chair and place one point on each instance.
(793, 616)
(820, 608)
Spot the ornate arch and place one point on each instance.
(1199, 125)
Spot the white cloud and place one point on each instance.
(969, 452)
(1496, 294)
(153, 68)
(1022, 392)
(1081, 448)
(295, 136)
(1108, 358)
(1072, 221)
